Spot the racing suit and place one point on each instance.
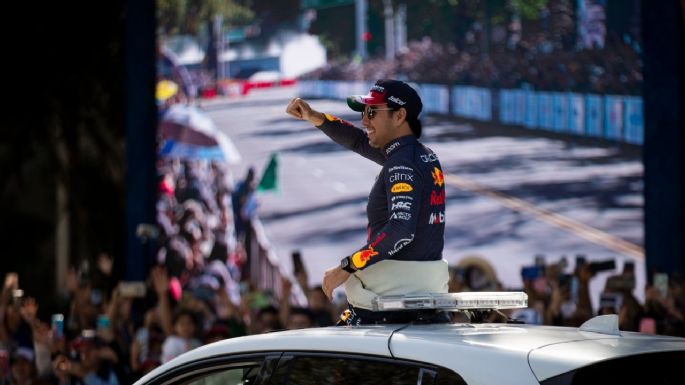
(406, 218)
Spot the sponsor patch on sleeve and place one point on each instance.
(401, 197)
(401, 215)
(401, 205)
(438, 178)
(361, 257)
(401, 187)
(332, 118)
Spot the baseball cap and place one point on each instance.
(396, 94)
(23, 353)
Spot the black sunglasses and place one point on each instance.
(371, 111)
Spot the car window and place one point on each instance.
(323, 370)
(448, 377)
(344, 371)
(221, 370)
(232, 376)
(651, 368)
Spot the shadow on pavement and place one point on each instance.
(322, 147)
(317, 209)
(279, 132)
(597, 193)
(355, 235)
(246, 104)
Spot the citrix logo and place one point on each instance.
(398, 176)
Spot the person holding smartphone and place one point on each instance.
(406, 207)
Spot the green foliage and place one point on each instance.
(529, 9)
(335, 27)
(189, 16)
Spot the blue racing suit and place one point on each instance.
(406, 207)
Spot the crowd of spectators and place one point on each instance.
(197, 292)
(535, 62)
(560, 297)
(114, 332)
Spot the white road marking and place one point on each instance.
(582, 230)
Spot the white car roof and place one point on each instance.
(480, 353)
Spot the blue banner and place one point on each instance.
(485, 97)
(506, 107)
(435, 98)
(613, 117)
(304, 88)
(560, 108)
(545, 111)
(519, 107)
(457, 101)
(471, 102)
(633, 120)
(593, 116)
(340, 90)
(531, 109)
(576, 122)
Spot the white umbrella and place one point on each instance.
(189, 133)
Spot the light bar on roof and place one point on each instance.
(452, 301)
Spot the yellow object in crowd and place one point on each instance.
(166, 89)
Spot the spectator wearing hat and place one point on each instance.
(22, 366)
(406, 207)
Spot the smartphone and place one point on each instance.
(103, 322)
(532, 272)
(602, 266)
(132, 289)
(17, 296)
(620, 283)
(661, 283)
(298, 266)
(57, 323)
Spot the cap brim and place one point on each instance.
(356, 103)
(359, 102)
